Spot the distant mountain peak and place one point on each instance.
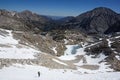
(99, 20)
(27, 12)
(103, 10)
(98, 11)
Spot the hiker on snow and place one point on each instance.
(38, 74)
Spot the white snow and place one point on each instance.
(59, 62)
(13, 13)
(109, 42)
(70, 52)
(86, 60)
(20, 72)
(94, 61)
(9, 49)
(94, 44)
(54, 49)
(65, 41)
(117, 37)
(115, 52)
(100, 38)
(17, 53)
(70, 49)
(102, 69)
(89, 60)
(8, 38)
(118, 57)
(80, 51)
(70, 57)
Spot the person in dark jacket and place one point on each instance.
(38, 74)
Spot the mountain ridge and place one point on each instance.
(88, 44)
(99, 20)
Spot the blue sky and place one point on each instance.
(59, 7)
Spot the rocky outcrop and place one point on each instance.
(108, 46)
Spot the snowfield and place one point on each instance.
(86, 67)
(16, 53)
(7, 37)
(10, 47)
(86, 60)
(26, 72)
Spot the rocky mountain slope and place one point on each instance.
(22, 21)
(25, 52)
(88, 44)
(99, 20)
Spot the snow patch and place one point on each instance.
(94, 44)
(91, 61)
(118, 57)
(109, 42)
(54, 49)
(7, 39)
(59, 62)
(17, 53)
(65, 41)
(70, 52)
(12, 49)
(117, 37)
(96, 60)
(99, 61)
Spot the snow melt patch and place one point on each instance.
(70, 52)
(71, 49)
(59, 62)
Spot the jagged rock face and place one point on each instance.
(25, 20)
(99, 20)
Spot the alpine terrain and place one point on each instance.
(38, 47)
